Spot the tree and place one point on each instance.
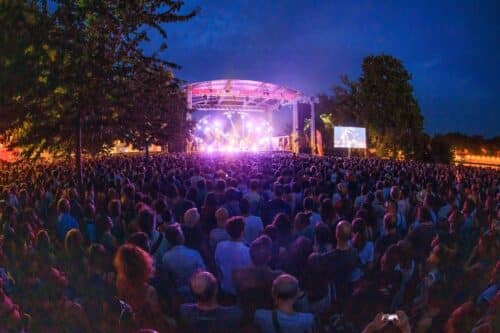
(382, 101)
(441, 150)
(471, 144)
(160, 112)
(80, 58)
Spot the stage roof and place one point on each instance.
(240, 95)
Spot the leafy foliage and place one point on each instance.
(75, 69)
(473, 144)
(382, 101)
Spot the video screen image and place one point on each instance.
(349, 137)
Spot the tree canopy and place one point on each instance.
(74, 76)
(382, 100)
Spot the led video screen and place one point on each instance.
(349, 137)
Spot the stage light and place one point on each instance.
(248, 132)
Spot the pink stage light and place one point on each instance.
(233, 132)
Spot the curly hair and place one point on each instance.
(134, 266)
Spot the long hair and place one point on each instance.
(134, 267)
(74, 244)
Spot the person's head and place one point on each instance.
(301, 221)
(234, 227)
(308, 203)
(391, 206)
(282, 223)
(322, 234)
(244, 207)
(74, 243)
(204, 288)
(271, 231)
(365, 189)
(437, 257)
(97, 257)
(455, 221)
(146, 220)
(201, 185)
(159, 206)
(285, 289)
(220, 186)
(221, 215)
(56, 284)
(42, 241)
(390, 222)
(210, 200)
(395, 193)
(254, 185)
(140, 239)
(191, 217)
(359, 233)
(104, 224)
(128, 192)
(462, 319)
(343, 232)
(278, 190)
(63, 206)
(89, 210)
(174, 235)
(192, 194)
(261, 251)
(172, 192)
(73, 193)
(342, 188)
(134, 266)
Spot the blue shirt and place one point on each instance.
(253, 227)
(294, 323)
(179, 263)
(365, 256)
(229, 256)
(65, 223)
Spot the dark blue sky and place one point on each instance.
(452, 49)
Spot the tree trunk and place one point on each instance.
(78, 155)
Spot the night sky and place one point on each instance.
(452, 49)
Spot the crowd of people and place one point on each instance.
(264, 242)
